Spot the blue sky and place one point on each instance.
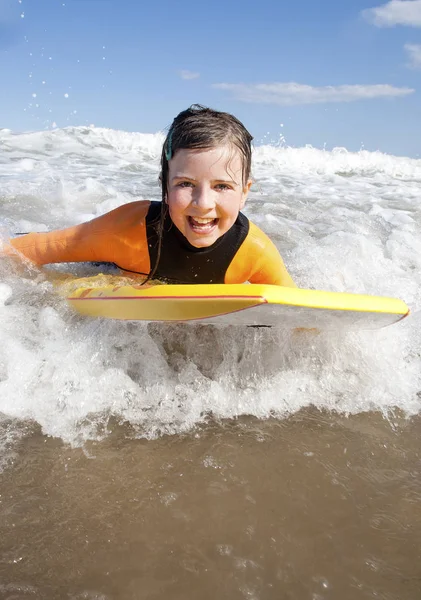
(328, 73)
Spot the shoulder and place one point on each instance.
(258, 242)
(255, 251)
(258, 261)
(127, 215)
(138, 209)
(257, 236)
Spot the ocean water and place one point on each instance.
(155, 461)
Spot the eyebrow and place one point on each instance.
(214, 180)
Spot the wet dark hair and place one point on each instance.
(200, 127)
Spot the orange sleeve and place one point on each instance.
(258, 261)
(118, 236)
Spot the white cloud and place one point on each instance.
(188, 74)
(289, 94)
(414, 52)
(395, 12)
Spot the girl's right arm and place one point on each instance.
(107, 238)
(74, 244)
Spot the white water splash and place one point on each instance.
(342, 221)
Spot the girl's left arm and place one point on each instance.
(258, 261)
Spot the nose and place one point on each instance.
(203, 197)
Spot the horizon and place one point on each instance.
(327, 76)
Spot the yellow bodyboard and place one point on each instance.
(237, 304)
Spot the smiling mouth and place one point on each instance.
(202, 225)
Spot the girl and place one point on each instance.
(197, 234)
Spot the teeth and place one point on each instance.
(204, 221)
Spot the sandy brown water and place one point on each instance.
(317, 506)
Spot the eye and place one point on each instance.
(223, 187)
(184, 184)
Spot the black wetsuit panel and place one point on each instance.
(180, 262)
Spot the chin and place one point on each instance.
(203, 243)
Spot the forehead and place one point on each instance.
(218, 160)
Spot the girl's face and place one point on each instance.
(205, 192)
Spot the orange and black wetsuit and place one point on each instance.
(127, 237)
